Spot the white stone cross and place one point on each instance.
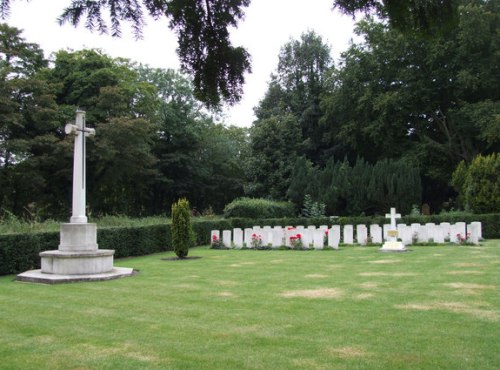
(393, 215)
(79, 167)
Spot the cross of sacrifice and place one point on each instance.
(80, 131)
(393, 215)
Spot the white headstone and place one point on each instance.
(446, 228)
(376, 234)
(474, 232)
(238, 238)
(318, 238)
(290, 231)
(361, 234)
(430, 228)
(267, 235)
(323, 227)
(386, 229)
(405, 234)
(334, 237)
(438, 234)
(307, 238)
(458, 232)
(415, 232)
(226, 238)
(423, 234)
(348, 234)
(248, 237)
(278, 236)
(215, 233)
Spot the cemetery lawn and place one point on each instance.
(357, 308)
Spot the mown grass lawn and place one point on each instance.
(431, 308)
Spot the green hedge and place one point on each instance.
(19, 252)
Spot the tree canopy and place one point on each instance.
(202, 27)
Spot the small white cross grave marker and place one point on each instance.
(393, 216)
(392, 244)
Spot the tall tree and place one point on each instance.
(430, 100)
(297, 86)
(29, 127)
(275, 144)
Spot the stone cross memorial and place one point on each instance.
(78, 257)
(392, 244)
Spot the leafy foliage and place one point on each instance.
(258, 208)
(313, 209)
(478, 184)
(182, 231)
(205, 49)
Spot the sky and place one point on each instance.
(267, 26)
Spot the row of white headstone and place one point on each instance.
(318, 238)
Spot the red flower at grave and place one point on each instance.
(214, 238)
(299, 236)
(326, 232)
(291, 228)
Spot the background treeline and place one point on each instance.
(386, 125)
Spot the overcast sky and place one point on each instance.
(267, 26)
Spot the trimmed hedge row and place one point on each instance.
(19, 252)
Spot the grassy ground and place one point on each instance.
(431, 308)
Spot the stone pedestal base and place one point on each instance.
(392, 246)
(78, 262)
(77, 259)
(37, 276)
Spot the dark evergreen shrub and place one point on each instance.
(182, 231)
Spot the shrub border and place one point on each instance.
(19, 252)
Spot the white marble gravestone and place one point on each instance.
(267, 235)
(278, 237)
(458, 231)
(226, 238)
(78, 257)
(446, 227)
(405, 233)
(430, 229)
(386, 228)
(376, 234)
(348, 234)
(307, 238)
(247, 237)
(238, 238)
(415, 232)
(361, 234)
(439, 234)
(334, 237)
(474, 231)
(392, 244)
(214, 233)
(318, 238)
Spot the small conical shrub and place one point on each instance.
(182, 231)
